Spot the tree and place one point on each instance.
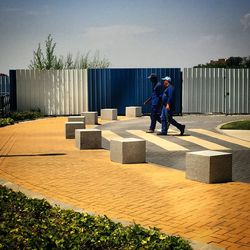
(49, 60)
(247, 62)
(231, 62)
(69, 63)
(98, 62)
(38, 59)
(234, 62)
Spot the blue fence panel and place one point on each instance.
(99, 89)
(118, 88)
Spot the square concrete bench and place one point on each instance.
(76, 119)
(70, 128)
(209, 166)
(90, 117)
(133, 111)
(109, 114)
(128, 150)
(88, 138)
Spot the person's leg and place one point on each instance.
(175, 123)
(164, 122)
(158, 118)
(153, 117)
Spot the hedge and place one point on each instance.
(26, 115)
(12, 117)
(27, 223)
(6, 121)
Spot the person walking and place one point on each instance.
(155, 102)
(168, 108)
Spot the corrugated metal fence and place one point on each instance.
(64, 92)
(216, 90)
(4, 85)
(118, 88)
(54, 92)
(4, 94)
(237, 91)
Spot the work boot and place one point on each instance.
(182, 130)
(161, 133)
(150, 131)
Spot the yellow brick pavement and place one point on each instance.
(36, 156)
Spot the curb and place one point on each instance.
(218, 129)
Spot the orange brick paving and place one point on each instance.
(36, 156)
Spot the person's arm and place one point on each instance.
(170, 98)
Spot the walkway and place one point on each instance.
(201, 134)
(36, 156)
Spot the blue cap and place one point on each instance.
(166, 78)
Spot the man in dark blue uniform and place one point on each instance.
(168, 108)
(155, 102)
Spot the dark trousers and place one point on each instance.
(155, 117)
(166, 118)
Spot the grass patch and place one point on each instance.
(241, 125)
(34, 224)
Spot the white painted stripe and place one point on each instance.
(203, 143)
(170, 131)
(109, 135)
(163, 143)
(222, 137)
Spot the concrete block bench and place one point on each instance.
(209, 166)
(70, 128)
(90, 117)
(76, 119)
(88, 138)
(133, 111)
(128, 150)
(109, 114)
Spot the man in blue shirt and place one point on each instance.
(168, 108)
(155, 102)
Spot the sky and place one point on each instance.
(129, 33)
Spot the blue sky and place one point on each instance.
(132, 33)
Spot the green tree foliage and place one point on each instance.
(231, 62)
(234, 62)
(49, 60)
(69, 63)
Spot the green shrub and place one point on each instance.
(12, 117)
(34, 224)
(6, 121)
(27, 115)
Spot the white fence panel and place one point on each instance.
(54, 92)
(238, 91)
(216, 90)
